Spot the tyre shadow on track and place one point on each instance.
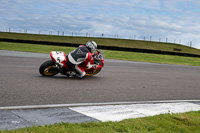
(71, 78)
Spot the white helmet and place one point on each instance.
(92, 46)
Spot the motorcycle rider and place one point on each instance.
(81, 54)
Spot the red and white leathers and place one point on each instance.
(78, 56)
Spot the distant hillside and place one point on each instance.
(104, 42)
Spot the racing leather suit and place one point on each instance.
(78, 56)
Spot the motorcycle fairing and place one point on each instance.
(59, 57)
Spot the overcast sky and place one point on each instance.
(177, 20)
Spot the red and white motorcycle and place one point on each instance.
(58, 64)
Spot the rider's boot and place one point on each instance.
(81, 76)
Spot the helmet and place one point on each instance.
(92, 46)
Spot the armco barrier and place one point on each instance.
(101, 47)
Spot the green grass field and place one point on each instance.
(132, 56)
(103, 41)
(164, 123)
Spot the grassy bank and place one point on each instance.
(140, 57)
(103, 41)
(165, 123)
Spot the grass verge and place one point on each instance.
(132, 56)
(104, 42)
(164, 123)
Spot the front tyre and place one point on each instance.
(48, 68)
(93, 72)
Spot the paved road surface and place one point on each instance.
(120, 81)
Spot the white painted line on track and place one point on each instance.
(91, 104)
(121, 112)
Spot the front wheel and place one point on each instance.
(93, 72)
(48, 68)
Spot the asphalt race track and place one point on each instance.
(119, 81)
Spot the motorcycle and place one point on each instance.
(58, 64)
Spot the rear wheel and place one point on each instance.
(48, 68)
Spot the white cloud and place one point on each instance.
(174, 19)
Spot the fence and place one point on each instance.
(116, 36)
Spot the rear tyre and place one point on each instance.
(48, 68)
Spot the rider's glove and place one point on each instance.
(95, 66)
